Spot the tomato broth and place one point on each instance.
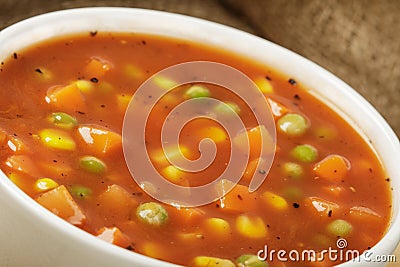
(63, 103)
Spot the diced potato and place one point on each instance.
(16, 144)
(278, 110)
(113, 235)
(364, 215)
(258, 138)
(60, 202)
(116, 202)
(57, 139)
(203, 261)
(23, 163)
(275, 201)
(321, 207)
(99, 140)
(66, 98)
(251, 227)
(219, 227)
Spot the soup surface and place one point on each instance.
(62, 105)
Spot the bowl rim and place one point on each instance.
(305, 71)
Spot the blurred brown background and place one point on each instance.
(359, 41)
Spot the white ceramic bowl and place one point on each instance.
(32, 236)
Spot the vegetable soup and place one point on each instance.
(62, 106)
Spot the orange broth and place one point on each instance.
(294, 209)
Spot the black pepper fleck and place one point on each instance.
(330, 213)
(15, 55)
(94, 80)
(292, 81)
(262, 171)
(39, 71)
(93, 33)
(240, 197)
(103, 106)
(144, 42)
(268, 78)
(297, 97)
(387, 179)
(296, 205)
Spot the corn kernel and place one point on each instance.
(275, 200)
(264, 85)
(84, 86)
(123, 101)
(173, 174)
(251, 227)
(45, 184)
(57, 139)
(218, 226)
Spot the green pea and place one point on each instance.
(82, 192)
(92, 164)
(250, 261)
(340, 228)
(293, 193)
(226, 108)
(293, 170)
(195, 91)
(292, 124)
(63, 120)
(152, 213)
(305, 153)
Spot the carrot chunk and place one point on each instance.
(114, 236)
(99, 140)
(60, 202)
(66, 98)
(333, 168)
(116, 202)
(96, 68)
(239, 199)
